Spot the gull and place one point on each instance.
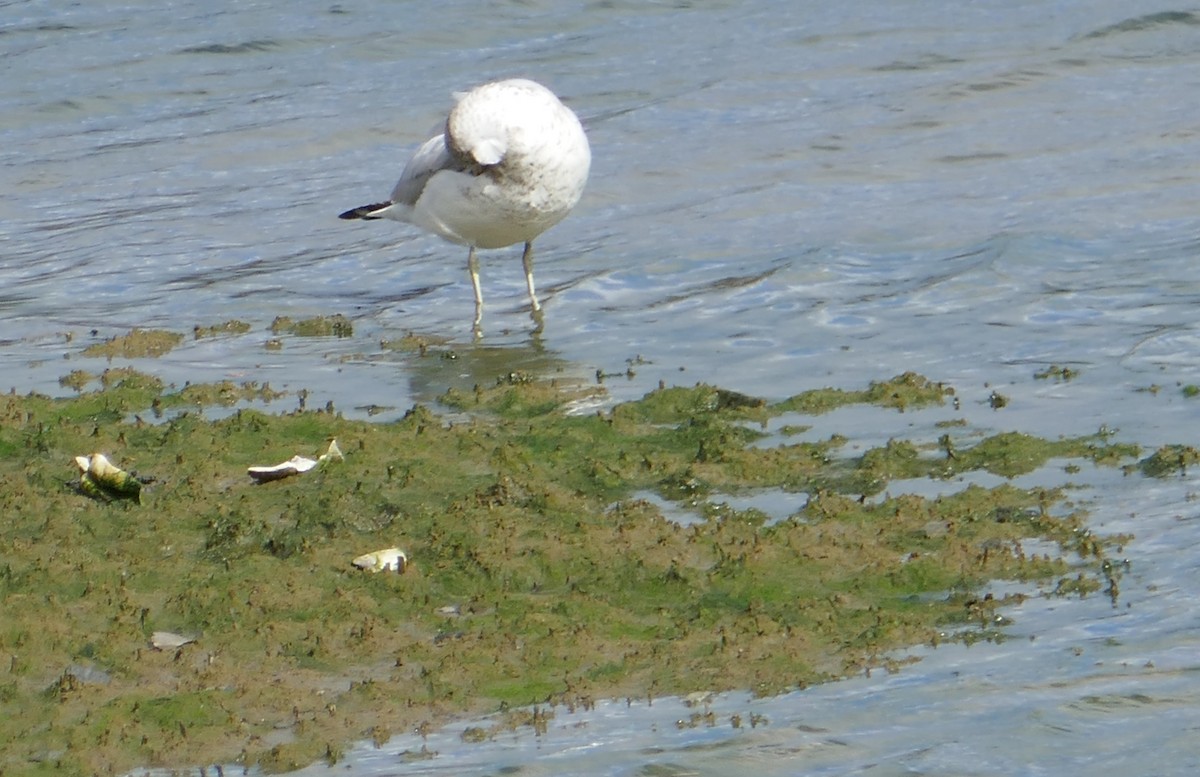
(510, 163)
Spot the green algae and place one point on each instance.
(76, 379)
(1058, 373)
(901, 392)
(1012, 453)
(412, 342)
(232, 327)
(536, 574)
(225, 393)
(1170, 460)
(138, 343)
(336, 325)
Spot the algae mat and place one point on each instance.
(535, 572)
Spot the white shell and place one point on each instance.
(333, 452)
(293, 466)
(102, 468)
(388, 559)
(99, 475)
(98, 466)
(169, 640)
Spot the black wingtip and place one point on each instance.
(365, 211)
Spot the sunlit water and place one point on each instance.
(784, 196)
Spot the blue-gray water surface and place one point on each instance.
(784, 195)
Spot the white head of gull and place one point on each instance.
(511, 163)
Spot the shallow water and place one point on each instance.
(784, 196)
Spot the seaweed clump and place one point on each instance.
(536, 569)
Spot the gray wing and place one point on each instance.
(433, 156)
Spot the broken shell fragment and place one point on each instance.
(295, 465)
(169, 640)
(333, 453)
(388, 559)
(100, 478)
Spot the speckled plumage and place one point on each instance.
(511, 163)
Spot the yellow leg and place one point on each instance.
(527, 260)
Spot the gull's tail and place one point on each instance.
(366, 211)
